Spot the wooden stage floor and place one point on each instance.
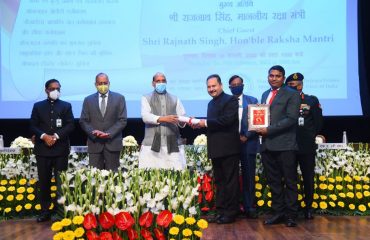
(322, 227)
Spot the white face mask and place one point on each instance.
(54, 95)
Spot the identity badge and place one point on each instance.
(59, 122)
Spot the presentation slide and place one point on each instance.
(73, 40)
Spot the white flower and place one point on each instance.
(192, 210)
(129, 141)
(200, 140)
(21, 142)
(62, 200)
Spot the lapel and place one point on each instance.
(96, 104)
(278, 96)
(264, 96)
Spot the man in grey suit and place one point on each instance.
(103, 117)
(279, 146)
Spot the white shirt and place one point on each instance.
(270, 95)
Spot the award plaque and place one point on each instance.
(258, 116)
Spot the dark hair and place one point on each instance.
(101, 74)
(278, 68)
(234, 77)
(48, 82)
(215, 76)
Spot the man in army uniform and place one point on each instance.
(309, 125)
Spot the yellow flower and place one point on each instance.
(79, 232)
(331, 180)
(187, 232)
(53, 195)
(22, 181)
(298, 186)
(368, 204)
(332, 204)
(10, 198)
(21, 190)
(77, 220)
(258, 186)
(258, 194)
(31, 197)
(68, 235)
(51, 207)
(300, 197)
(322, 178)
(18, 208)
(333, 197)
(350, 187)
(314, 205)
(199, 234)
(323, 205)
(341, 204)
(339, 187)
(56, 226)
(32, 181)
(269, 194)
(338, 178)
(348, 178)
(53, 188)
(30, 190)
(358, 186)
(315, 196)
(315, 186)
(19, 197)
(260, 203)
(256, 178)
(202, 224)
(303, 204)
(366, 193)
(269, 202)
(190, 220)
(179, 219)
(53, 180)
(366, 179)
(58, 236)
(28, 206)
(3, 182)
(366, 187)
(38, 207)
(323, 186)
(323, 197)
(357, 178)
(350, 194)
(342, 195)
(11, 189)
(362, 208)
(174, 230)
(7, 210)
(359, 195)
(12, 182)
(1, 197)
(352, 206)
(330, 187)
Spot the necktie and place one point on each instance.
(103, 104)
(273, 94)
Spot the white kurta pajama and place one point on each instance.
(162, 159)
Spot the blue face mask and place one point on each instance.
(160, 87)
(237, 90)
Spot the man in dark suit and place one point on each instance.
(51, 123)
(223, 146)
(249, 146)
(309, 125)
(279, 146)
(103, 118)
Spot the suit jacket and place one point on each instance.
(252, 142)
(284, 110)
(113, 122)
(44, 120)
(311, 111)
(223, 126)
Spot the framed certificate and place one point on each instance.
(258, 116)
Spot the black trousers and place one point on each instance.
(281, 173)
(45, 167)
(248, 166)
(226, 174)
(307, 165)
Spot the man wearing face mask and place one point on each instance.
(51, 123)
(103, 118)
(249, 145)
(161, 147)
(309, 125)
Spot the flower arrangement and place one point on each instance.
(21, 142)
(129, 141)
(200, 140)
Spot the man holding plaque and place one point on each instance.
(309, 125)
(278, 147)
(249, 145)
(162, 145)
(223, 146)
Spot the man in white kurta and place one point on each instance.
(162, 146)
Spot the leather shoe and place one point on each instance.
(308, 215)
(213, 218)
(278, 218)
(43, 217)
(225, 220)
(290, 222)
